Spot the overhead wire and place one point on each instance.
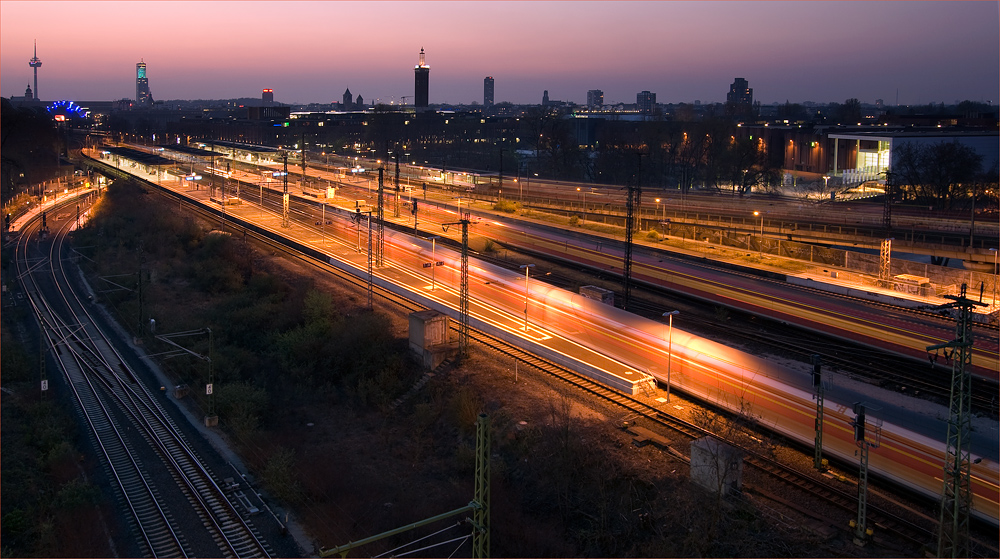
(455, 525)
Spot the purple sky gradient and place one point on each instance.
(682, 51)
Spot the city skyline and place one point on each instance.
(681, 51)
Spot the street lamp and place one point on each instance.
(526, 268)
(663, 216)
(826, 183)
(670, 349)
(760, 239)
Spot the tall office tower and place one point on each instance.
(645, 101)
(143, 97)
(595, 99)
(35, 64)
(545, 98)
(488, 92)
(421, 82)
(267, 96)
(740, 94)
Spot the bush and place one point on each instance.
(506, 206)
(652, 236)
(574, 220)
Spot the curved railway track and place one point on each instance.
(880, 515)
(128, 427)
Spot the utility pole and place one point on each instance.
(380, 220)
(861, 531)
(956, 495)
(284, 197)
(634, 201)
(396, 155)
(885, 253)
(463, 331)
(817, 381)
(481, 515)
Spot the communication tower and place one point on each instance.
(35, 64)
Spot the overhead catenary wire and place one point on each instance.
(463, 538)
(446, 528)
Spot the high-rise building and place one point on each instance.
(545, 98)
(421, 82)
(35, 64)
(488, 92)
(267, 96)
(645, 101)
(740, 97)
(595, 99)
(143, 97)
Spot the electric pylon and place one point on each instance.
(956, 495)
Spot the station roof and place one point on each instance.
(198, 152)
(139, 156)
(246, 147)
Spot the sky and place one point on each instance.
(910, 52)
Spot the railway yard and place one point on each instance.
(578, 468)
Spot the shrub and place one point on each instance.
(506, 206)
(574, 220)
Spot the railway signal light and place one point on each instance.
(414, 210)
(859, 422)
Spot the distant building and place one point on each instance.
(360, 103)
(739, 100)
(421, 82)
(143, 97)
(488, 92)
(348, 100)
(545, 98)
(267, 96)
(595, 99)
(645, 102)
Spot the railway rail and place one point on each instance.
(915, 533)
(129, 428)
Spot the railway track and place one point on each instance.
(913, 533)
(134, 435)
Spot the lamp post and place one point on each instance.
(670, 348)
(526, 268)
(760, 238)
(433, 260)
(826, 184)
(663, 216)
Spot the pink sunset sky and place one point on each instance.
(682, 51)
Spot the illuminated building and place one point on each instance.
(143, 97)
(35, 64)
(595, 99)
(645, 101)
(421, 82)
(267, 96)
(488, 92)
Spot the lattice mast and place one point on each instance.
(885, 253)
(284, 196)
(634, 201)
(380, 220)
(956, 494)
